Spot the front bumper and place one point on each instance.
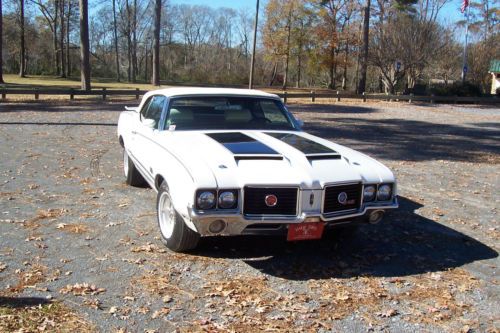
(239, 224)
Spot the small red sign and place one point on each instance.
(305, 231)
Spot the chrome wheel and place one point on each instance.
(166, 215)
(125, 162)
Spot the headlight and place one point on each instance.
(205, 200)
(369, 193)
(384, 192)
(227, 200)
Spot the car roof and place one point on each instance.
(193, 91)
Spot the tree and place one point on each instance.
(22, 56)
(364, 53)
(115, 35)
(1, 46)
(84, 45)
(50, 11)
(156, 52)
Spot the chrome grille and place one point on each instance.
(254, 201)
(331, 201)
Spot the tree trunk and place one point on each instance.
(273, 76)
(115, 33)
(287, 56)
(332, 68)
(129, 43)
(61, 39)
(364, 51)
(134, 44)
(1, 50)
(55, 39)
(156, 52)
(22, 58)
(84, 45)
(68, 57)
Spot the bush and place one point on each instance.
(466, 89)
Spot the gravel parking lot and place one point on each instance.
(74, 235)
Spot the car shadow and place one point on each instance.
(20, 302)
(404, 243)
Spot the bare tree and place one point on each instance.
(84, 45)
(1, 46)
(62, 28)
(156, 52)
(50, 11)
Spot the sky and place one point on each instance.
(449, 13)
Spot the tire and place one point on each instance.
(175, 234)
(132, 176)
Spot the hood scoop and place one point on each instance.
(257, 157)
(317, 157)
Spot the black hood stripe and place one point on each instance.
(242, 145)
(310, 148)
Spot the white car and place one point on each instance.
(235, 162)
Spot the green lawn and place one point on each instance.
(32, 81)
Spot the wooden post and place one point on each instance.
(36, 94)
(455, 99)
(411, 96)
(71, 94)
(136, 93)
(4, 95)
(103, 94)
(338, 96)
(432, 99)
(313, 96)
(285, 97)
(364, 96)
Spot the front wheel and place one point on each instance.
(175, 234)
(132, 175)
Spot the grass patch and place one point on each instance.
(49, 317)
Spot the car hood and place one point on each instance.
(233, 159)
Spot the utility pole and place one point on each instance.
(252, 64)
(156, 52)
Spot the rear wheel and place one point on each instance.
(132, 175)
(175, 234)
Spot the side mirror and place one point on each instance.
(149, 123)
(132, 108)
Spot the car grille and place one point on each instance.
(254, 201)
(332, 204)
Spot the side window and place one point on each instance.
(273, 112)
(153, 109)
(145, 107)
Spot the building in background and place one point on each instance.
(495, 76)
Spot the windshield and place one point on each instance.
(189, 113)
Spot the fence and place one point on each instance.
(312, 95)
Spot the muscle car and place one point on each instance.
(236, 162)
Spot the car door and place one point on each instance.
(149, 125)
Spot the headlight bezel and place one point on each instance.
(216, 205)
(377, 198)
(198, 204)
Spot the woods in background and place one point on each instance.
(401, 45)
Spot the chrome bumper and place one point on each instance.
(236, 223)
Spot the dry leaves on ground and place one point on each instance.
(82, 289)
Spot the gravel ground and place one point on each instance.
(72, 231)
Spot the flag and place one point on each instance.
(465, 4)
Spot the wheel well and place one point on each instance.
(159, 179)
(120, 139)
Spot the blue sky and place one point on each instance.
(449, 13)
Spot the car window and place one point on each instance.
(225, 112)
(273, 112)
(154, 109)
